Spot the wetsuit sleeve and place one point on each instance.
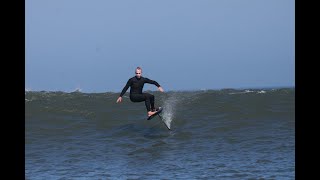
(152, 82)
(124, 90)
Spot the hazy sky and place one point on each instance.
(95, 45)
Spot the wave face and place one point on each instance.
(215, 134)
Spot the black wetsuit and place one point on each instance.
(136, 95)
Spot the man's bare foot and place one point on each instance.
(150, 113)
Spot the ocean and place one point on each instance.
(215, 134)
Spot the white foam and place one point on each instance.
(243, 92)
(248, 91)
(167, 119)
(169, 108)
(261, 92)
(78, 89)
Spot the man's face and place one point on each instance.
(138, 73)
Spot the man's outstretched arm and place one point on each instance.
(155, 83)
(124, 90)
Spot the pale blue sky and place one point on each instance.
(95, 45)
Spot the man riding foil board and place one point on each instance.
(136, 84)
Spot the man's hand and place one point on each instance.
(160, 89)
(119, 99)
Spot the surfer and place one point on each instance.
(136, 84)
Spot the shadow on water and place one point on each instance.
(141, 144)
(154, 130)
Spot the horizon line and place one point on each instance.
(199, 89)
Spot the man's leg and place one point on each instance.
(147, 98)
(152, 102)
(143, 97)
(149, 103)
